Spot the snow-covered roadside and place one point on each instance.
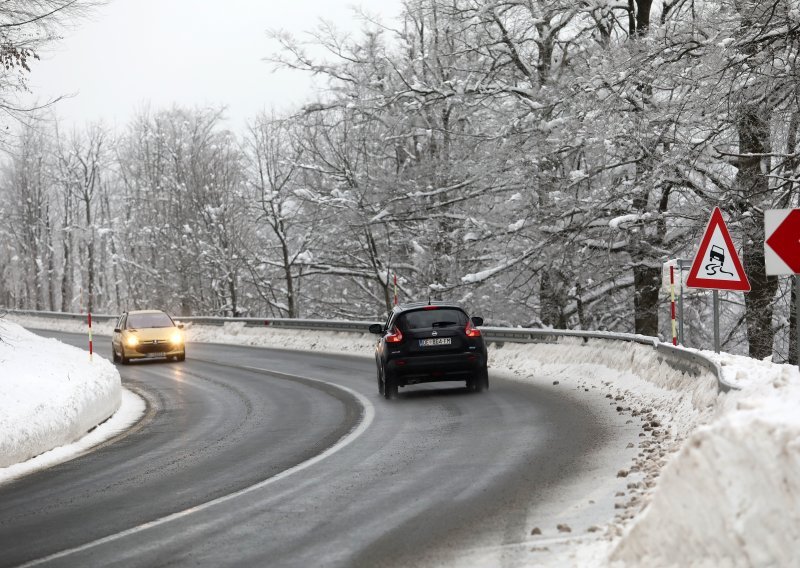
(715, 478)
(131, 409)
(50, 394)
(734, 484)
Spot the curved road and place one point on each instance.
(431, 473)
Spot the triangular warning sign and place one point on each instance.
(716, 265)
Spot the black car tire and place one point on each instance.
(181, 357)
(480, 381)
(380, 382)
(389, 387)
(124, 360)
(114, 355)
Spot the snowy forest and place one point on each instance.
(536, 160)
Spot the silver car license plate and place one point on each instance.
(435, 341)
(153, 355)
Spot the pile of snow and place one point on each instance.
(50, 393)
(131, 409)
(282, 338)
(731, 495)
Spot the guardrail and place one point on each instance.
(678, 358)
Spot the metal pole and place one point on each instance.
(680, 310)
(672, 304)
(797, 314)
(716, 321)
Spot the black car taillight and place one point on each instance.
(395, 337)
(471, 330)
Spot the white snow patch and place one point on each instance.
(616, 222)
(131, 409)
(418, 249)
(51, 394)
(305, 257)
(516, 226)
(735, 484)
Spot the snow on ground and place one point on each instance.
(131, 409)
(715, 480)
(734, 484)
(50, 393)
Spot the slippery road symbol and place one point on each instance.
(716, 254)
(716, 265)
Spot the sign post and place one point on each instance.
(672, 304)
(672, 282)
(683, 264)
(668, 278)
(716, 266)
(716, 321)
(782, 251)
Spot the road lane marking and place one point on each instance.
(367, 417)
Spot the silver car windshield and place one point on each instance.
(138, 321)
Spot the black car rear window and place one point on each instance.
(136, 321)
(440, 317)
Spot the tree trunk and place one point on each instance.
(646, 282)
(66, 276)
(90, 259)
(752, 185)
(51, 269)
(287, 270)
(552, 303)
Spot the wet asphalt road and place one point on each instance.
(436, 471)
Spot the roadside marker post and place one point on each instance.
(716, 266)
(782, 251)
(672, 283)
(672, 303)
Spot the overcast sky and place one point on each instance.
(192, 52)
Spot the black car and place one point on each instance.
(430, 342)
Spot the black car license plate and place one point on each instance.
(435, 341)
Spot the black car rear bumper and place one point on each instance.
(431, 368)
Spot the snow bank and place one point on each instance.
(50, 394)
(282, 338)
(131, 409)
(626, 364)
(731, 496)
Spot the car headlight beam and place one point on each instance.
(132, 341)
(177, 337)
